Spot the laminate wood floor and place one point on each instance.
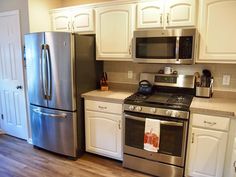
(20, 159)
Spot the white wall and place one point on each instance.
(22, 5)
(39, 17)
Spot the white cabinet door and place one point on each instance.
(150, 14)
(82, 20)
(61, 21)
(233, 161)
(103, 134)
(114, 30)
(217, 27)
(180, 13)
(207, 153)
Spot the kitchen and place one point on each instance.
(216, 52)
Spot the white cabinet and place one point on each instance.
(103, 128)
(217, 29)
(172, 13)
(233, 161)
(114, 31)
(208, 142)
(73, 20)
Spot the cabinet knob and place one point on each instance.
(19, 87)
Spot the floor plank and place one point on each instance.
(20, 159)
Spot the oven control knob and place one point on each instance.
(131, 108)
(138, 108)
(169, 113)
(153, 110)
(175, 114)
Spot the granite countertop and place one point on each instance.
(225, 107)
(111, 96)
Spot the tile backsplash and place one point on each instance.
(118, 72)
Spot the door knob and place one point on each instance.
(18, 87)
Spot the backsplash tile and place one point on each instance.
(118, 72)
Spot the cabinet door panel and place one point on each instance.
(114, 28)
(180, 13)
(217, 31)
(83, 20)
(61, 21)
(150, 14)
(207, 153)
(103, 134)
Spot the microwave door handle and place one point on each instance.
(177, 48)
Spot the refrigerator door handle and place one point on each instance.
(49, 74)
(48, 114)
(42, 70)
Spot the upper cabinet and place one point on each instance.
(114, 31)
(73, 20)
(217, 29)
(161, 14)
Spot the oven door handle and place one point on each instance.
(171, 123)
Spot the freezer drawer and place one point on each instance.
(54, 130)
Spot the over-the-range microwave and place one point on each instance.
(174, 46)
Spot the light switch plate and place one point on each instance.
(130, 74)
(226, 80)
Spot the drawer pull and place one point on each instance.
(102, 107)
(119, 125)
(234, 165)
(210, 123)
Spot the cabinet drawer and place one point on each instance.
(211, 122)
(103, 106)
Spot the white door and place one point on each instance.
(61, 21)
(12, 91)
(114, 31)
(180, 13)
(207, 153)
(217, 27)
(82, 20)
(103, 134)
(150, 14)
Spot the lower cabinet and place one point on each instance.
(207, 153)
(103, 130)
(233, 161)
(207, 146)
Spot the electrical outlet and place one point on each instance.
(130, 74)
(226, 80)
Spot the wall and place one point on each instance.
(22, 5)
(118, 72)
(66, 3)
(39, 17)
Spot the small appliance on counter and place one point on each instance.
(103, 82)
(204, 84)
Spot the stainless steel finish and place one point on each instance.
(50, 115)
(179, 161)
(34, 53)
(159, 111)
(165, 33)
(43, 72)
(54, 133)
(177, 49)
(183, 81)
(49, 74)
(62, 71)
(204, 92)
(152, 167)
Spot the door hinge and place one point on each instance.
(2, 116)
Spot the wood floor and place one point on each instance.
(20, 159)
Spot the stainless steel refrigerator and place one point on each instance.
(60, 67)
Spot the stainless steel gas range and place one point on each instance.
(169, 104)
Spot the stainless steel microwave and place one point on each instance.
(175, 46)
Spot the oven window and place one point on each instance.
(171, 136)
(171, 139)
(156, 47)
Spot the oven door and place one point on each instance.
(173, 136)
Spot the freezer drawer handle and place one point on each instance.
(51, 115)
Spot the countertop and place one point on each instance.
(111, 96)
(225, 107)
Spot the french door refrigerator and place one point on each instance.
(60, 67)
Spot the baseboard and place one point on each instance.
(2, 132)
(30, 141)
